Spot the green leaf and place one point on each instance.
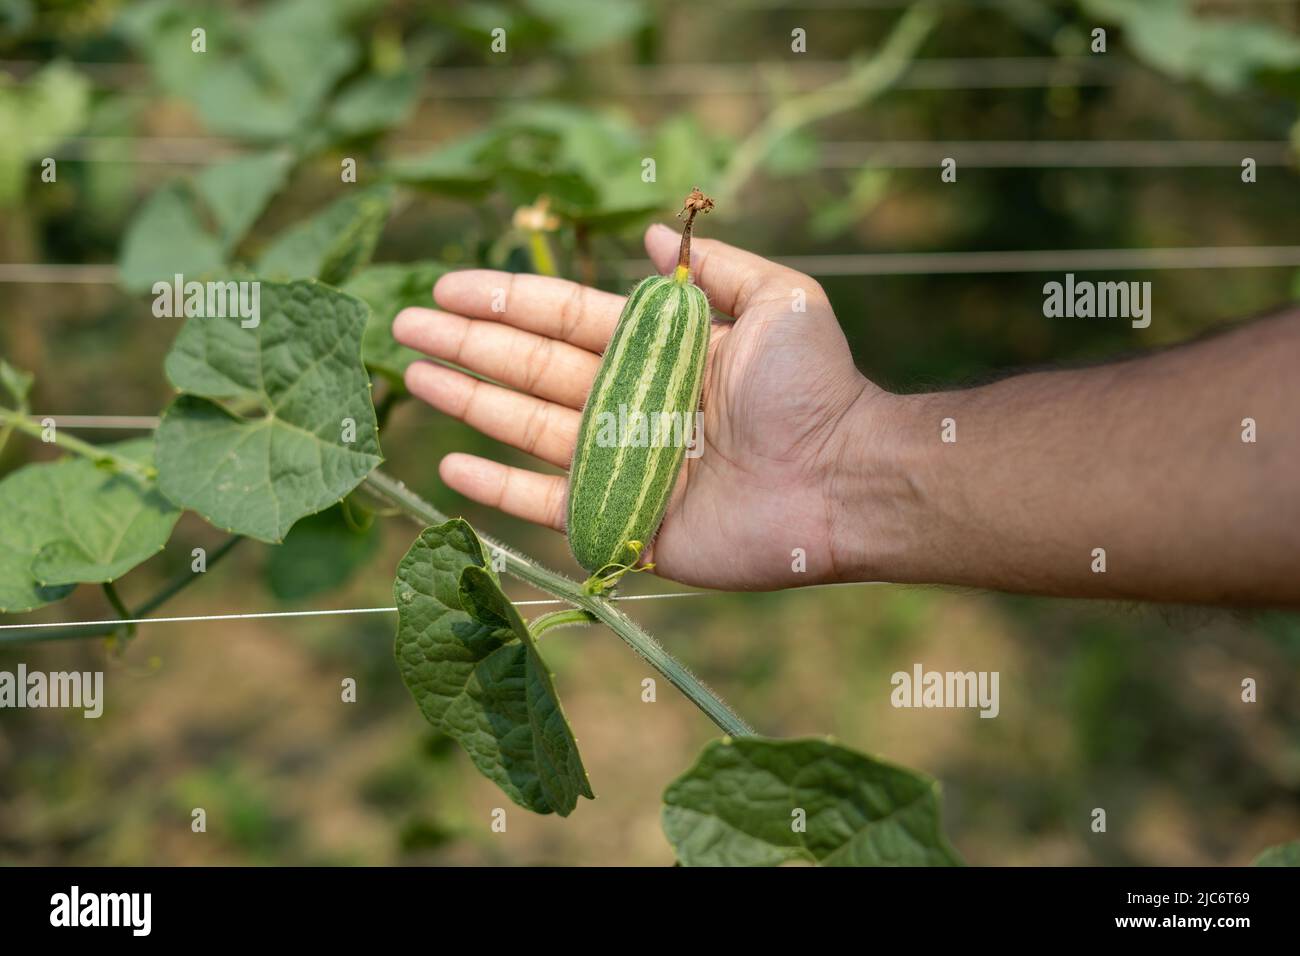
(738, 806)
(388, 289)
(476, 674)
(264, 76)
(584, 25)
(794, 154)
(591, 164)
(1224, 54)
(172, 235)
(17, 383)
(234, 102)
(300, 370)
(70, 521)
(34, 116)
(686, 155)
(374, 103)
(16, 17)
(236, 191)
(1284, 854)
(565, 153)
(319, 554)
(160, 31)
(167, 237)
(454, 169)
(302, 49)
(332, 244)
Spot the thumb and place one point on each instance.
(731, 277)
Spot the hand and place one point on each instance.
(778, 386)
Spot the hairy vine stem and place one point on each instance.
(603, 610)
(589, 606)
(422, 512)
(96, 453)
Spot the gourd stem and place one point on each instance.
(524, 568)
(684, 251)
(696, 202)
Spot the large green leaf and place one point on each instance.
(388, 289)
(319, 554)
(294, 381)
(1284, 854)
(739, 806)
(191, 227)
(473, 668)
(1224, 54)
(70, 520)
(332, 244)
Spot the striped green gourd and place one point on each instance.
(622, 477)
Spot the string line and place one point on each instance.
(331, 612)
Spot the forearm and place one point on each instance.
(1143, 460)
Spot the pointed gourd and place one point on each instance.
(640, 417)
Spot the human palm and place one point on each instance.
(779, 380)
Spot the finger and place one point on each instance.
(524, 494)
(554, 308)
(547, 368)
(734, 279)
(544, 429)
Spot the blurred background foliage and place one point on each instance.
(229, 160)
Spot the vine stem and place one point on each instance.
(184, 580)
(5, 432)
(865, 83)
(424, 513)
(115, 599)
(525, 569)
(96, 453)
